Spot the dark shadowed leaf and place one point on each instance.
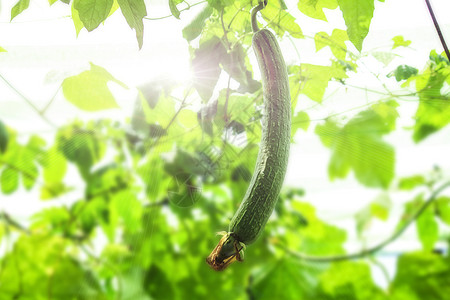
(4, 137)
(421, 275)
(194, 28)
(206, 68)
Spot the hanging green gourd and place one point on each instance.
(271, 164)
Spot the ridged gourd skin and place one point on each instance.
(271, 164)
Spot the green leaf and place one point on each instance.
(427, 229)
(300, 120)
(283, 4)
(317, 237)
(281, 21)
(76, 20)
(2, 49)
(314, 8)
(194, 29)
(4, 137)
(134, 11)
(349, 280)
(161, 113)
(235, 64)
(358, 146)
(336, 42)
(220, 4)
(433, 112)
(403, 72)
(285, 278)
(357, 16)
(173, 8)
(399, 41)
(20, 6)
(129, 209)
(421, 275)
(9, 180)
(81, 147)
(158, 284)
(206, 66)
(50, 270)
(92, 12)
(55, 166)
(89, 90)
(384, 57)
(379, 208)
(315, 78)
(443, 209)
(411, 182)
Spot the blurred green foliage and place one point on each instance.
(154, 188)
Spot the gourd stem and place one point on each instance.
(255, 10)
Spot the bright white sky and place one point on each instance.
(43, 50)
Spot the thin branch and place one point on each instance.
(438, 29)
(28, 101)
(13, 223)
(376, 248)
(171, 15)
(42, 112)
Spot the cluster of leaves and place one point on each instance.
(154, 189)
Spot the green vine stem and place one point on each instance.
(378, 247)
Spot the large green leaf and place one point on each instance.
(157, 284)
(357, 16)
(20, 6)
(206, 68)
(300, 120)
(350, 280)
(9, 180)
(421, 275)
(336, 42)
(285, 278)
(92, 12)
(410, 182)
(280, 20)
(39, 267)
(89, 90)
(235, 63)
(173, 8)
(81, 147)
(314, 8)
(194, 29)
(358, 146)
(76, 19)
(134, 11)
(315, 237)
(443, 209)
(433, 112)
(313, 79)
(427, 229)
